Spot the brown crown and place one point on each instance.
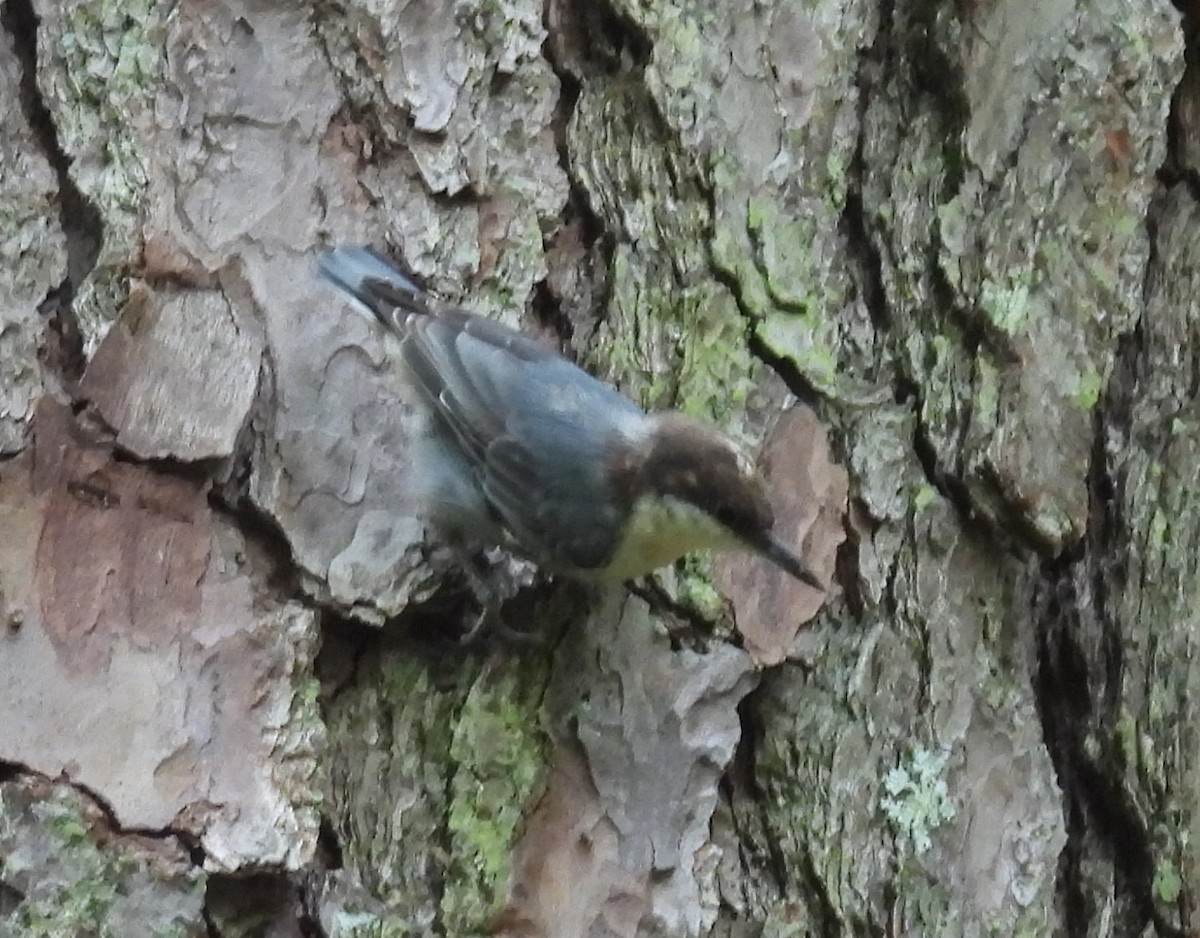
(697, 464)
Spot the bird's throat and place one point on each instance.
(659, 532)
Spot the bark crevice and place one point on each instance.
(81, 222)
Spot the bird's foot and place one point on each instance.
(494, 578)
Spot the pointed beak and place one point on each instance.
(783, 557)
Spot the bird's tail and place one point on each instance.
(373, 284)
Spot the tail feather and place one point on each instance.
(373, 284)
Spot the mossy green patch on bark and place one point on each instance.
(436, 761)
(499, 752)
(69, 884)
(1021, 246)
(100, 67)
(674, 335)
(388, 765)
(777, 259)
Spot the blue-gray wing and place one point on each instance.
(534, 427)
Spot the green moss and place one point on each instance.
(112, 56)
(78, 886)
(696, 590)
(499, 755)
(926, 495)
(1086, 392)
(392, 733)
(799, 340)
(837, 171)
(731, 256)
(438, 760)
(625, 354)
(1168, 885)
(308, 690)
(716, 370)
(673, 336)
(65, 821)
(99, 81)
(782, 280)
(783, 246)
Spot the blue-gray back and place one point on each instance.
(537, 430)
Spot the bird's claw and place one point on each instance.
(492, 583)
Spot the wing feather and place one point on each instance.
(534, 427)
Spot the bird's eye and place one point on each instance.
(745, 514)
(731, 516)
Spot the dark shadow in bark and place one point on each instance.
(80, 219)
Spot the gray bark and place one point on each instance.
(938, 262)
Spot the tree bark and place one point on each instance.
(938, 262)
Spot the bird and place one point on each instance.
(520, 448)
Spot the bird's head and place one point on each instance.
(713, 488)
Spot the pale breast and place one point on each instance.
(659, 532)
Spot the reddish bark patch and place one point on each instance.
(808, 493)
(568, 881)
(122, 547)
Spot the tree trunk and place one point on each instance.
(940, 262)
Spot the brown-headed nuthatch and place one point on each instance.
(525, 450)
